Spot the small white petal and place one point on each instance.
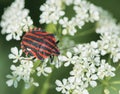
(64, 32)
(69, 54)
(38, 73)
(85, 92)
(20, 52)
(38, 68)
(94, 44)
(9, 82)
(11, 56)
(93, 83)
(58, 89)
(27, 86)
(106, 91)
(13, 67)
(71, 79)
(9, 76)
(64, 81)
(9, 37)
(94, 77)
(63, 58)
(67, 64)
(36, 84)
(16, 60)
(14, 50)
(58, 82)
(48, 70)
(15, 84)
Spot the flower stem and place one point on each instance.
(46, 85)
(118, 67)
(28, 91)
(45, 88)
(86, 32)
(113, 88)
(116, 82)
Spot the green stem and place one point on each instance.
(109, 60)
(28, 91)
(46, 85)
(104, 82)
(36, 64)
(45, 88)
(116, 82)
(118, 67)
(83, 33)
(113, 88)
(90, 88)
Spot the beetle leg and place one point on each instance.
(57, 42)
(51, 58)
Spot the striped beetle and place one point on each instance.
(39, 44)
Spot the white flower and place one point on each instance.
(106, 91)
(69, 42)
(26, 23)
(103, 47)
(91, 79)
(56, 62)
(110, 32)
(94, 13)
(51, 12)
(80, 91)
(64, 21)
(21, 72)
(31, 82)
(27, 68)
(86, 59)
(94, 44)
(68, 2)
(43, 70)
(68, 59)
(15, 54)
(24, 70)
(62, 86)
(105, 70)
(115, 54)
(69, 26)
(13, 80)
(119, 91)
(14, 25)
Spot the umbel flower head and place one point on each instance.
(53, 12)
(91, 62)
(88, 64)
(15, 20)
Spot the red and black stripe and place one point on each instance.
(39, 44)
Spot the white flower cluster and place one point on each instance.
(44, 69)
(87, 59)
(88, 65)
(88, 68)
(110, 36)
(15, 20)
(25, 69)
(52, 12)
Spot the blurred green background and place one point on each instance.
(113, 6)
